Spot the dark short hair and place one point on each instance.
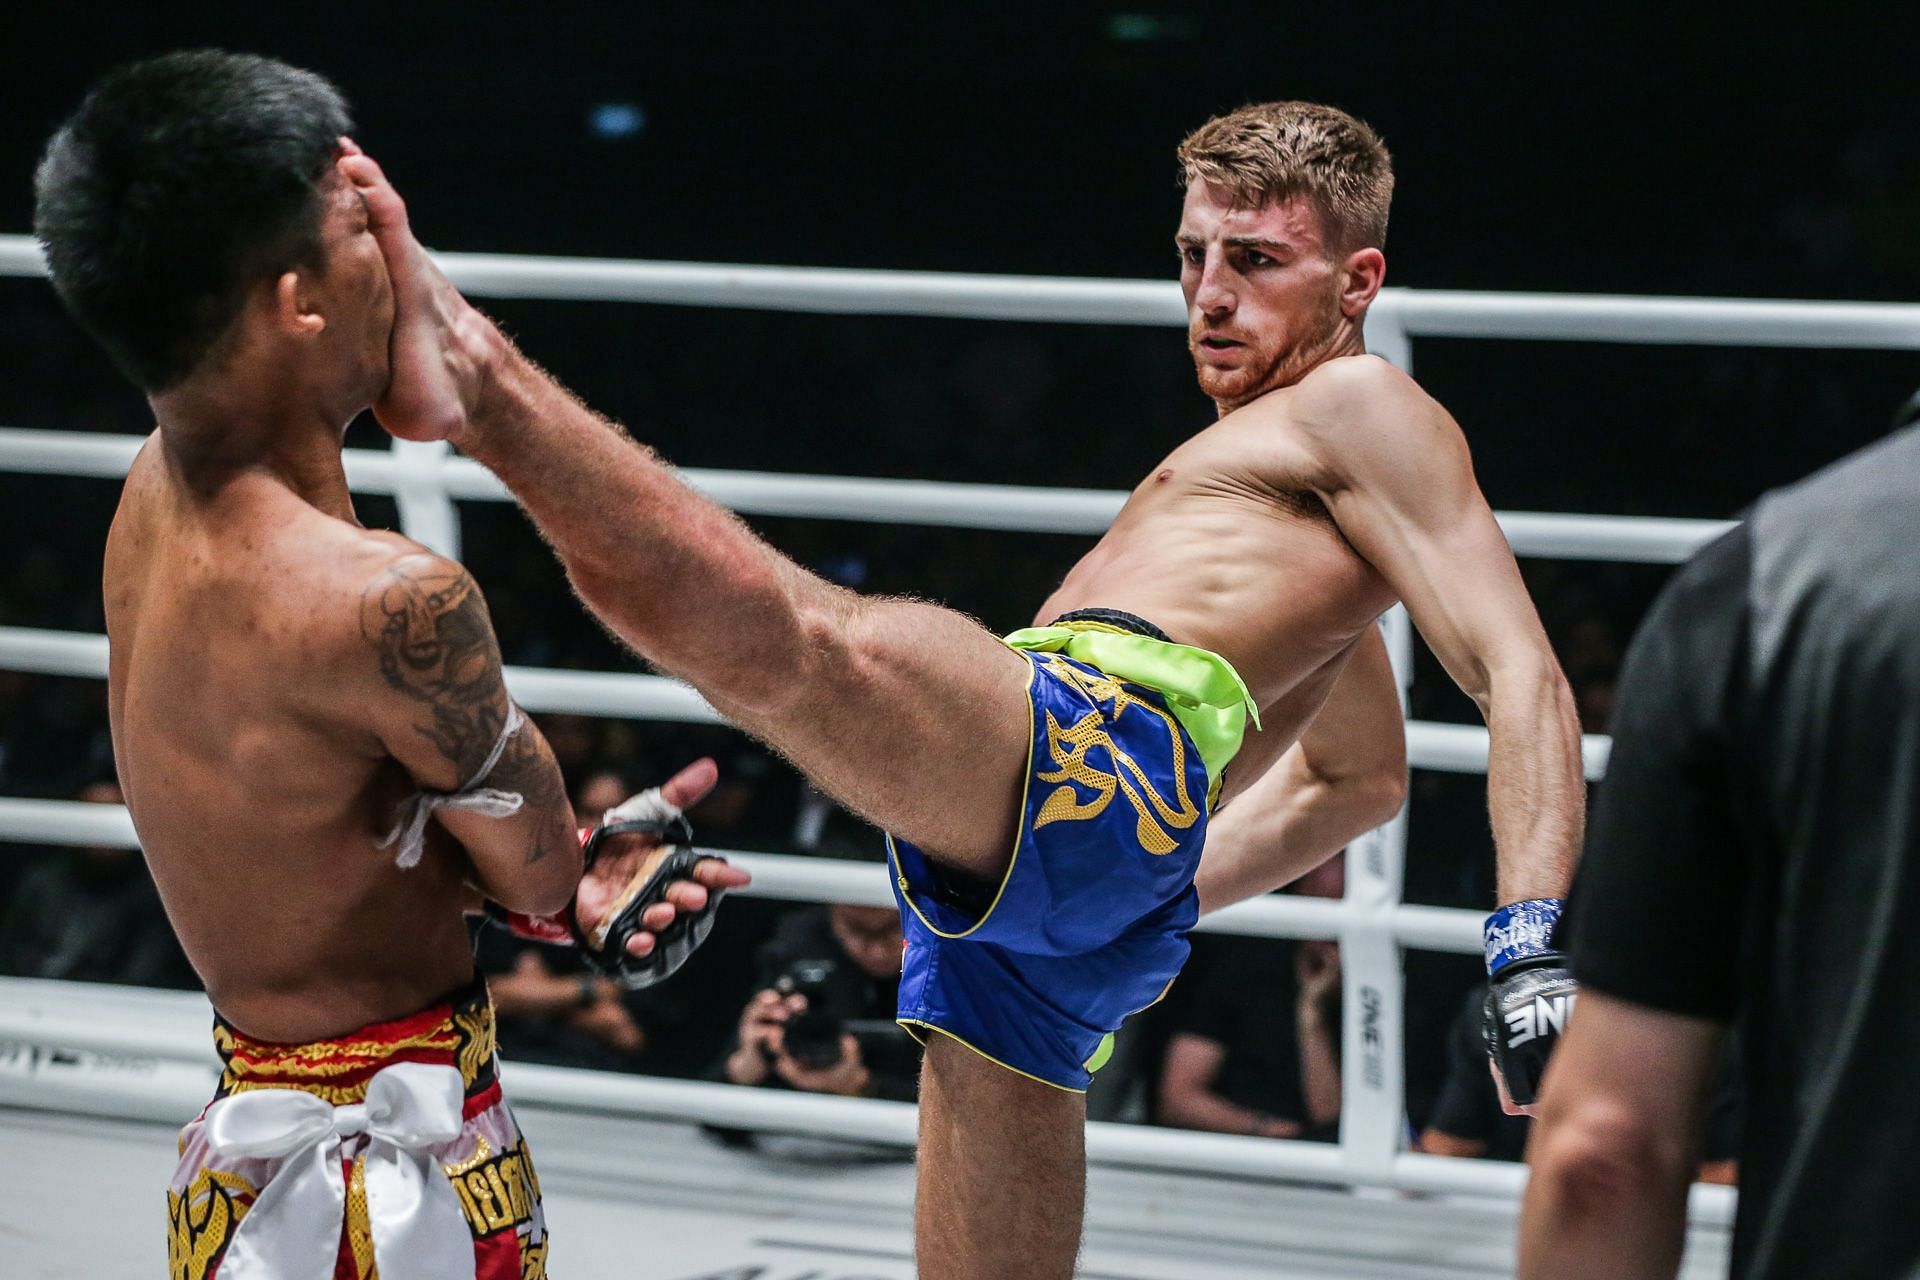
(179, 183)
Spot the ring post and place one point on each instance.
(1373, 1021)
(427, 513)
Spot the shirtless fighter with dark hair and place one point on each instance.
(1050, 793)
(321, 759)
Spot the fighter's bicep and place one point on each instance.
(429, 669)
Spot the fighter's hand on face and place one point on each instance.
(440, 343)
(626, 859)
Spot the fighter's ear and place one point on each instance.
(1362, 274)
(293, 306)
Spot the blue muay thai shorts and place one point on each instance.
(1130, 736)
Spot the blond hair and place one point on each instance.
(1273, 151)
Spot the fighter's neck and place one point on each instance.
(211, 439)
(1347, 339)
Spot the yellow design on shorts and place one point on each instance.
(201, 1221)
(359, 1224)
(477, 1043)
(1069, 748)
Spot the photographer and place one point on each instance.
(822, 1021)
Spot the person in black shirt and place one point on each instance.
(1467, 1118)
(1255, 1047)
(1753, 857)
(91, 915)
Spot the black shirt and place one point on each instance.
(1241, 993)
(1469, 1104)
(1753, 852)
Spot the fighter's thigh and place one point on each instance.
(918, 718)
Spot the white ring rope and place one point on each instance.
(1449, 313)
(1447, 748)
(807, 879)
(1020, 508)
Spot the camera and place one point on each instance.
(813, 1038)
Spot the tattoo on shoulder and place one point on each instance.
(428, 624)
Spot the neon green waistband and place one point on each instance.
(1203, 691)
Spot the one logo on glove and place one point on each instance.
(1543, 1015)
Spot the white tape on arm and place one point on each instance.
(410, 832)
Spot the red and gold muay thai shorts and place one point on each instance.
(389, 1150)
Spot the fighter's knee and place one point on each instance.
(826, 655)
(842, 648)
(1598, 1155)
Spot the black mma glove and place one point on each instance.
(1530, 994)
(605, 948)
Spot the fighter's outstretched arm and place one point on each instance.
(1395, 473)
(1347, 774)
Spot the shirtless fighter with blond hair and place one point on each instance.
(1050, 793)
(321, 759)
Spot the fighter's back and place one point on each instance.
(259, 790)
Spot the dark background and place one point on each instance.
(1605, 149)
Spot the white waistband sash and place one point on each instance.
(293, 1230)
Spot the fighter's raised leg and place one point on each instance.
(909, 713)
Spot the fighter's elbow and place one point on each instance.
(1602, 1160)
(1381, 793)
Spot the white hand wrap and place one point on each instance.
(648, 806)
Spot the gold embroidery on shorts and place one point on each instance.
(497, 1192)
(1069, 748)
(311, 1068)
(482, 1152)
(359, 1225)
(201, 1220)
(476, 1040)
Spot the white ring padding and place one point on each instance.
(809, 879)
(1448, 313)
(1022, 508)
(94, 1018)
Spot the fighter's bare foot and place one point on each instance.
(441, 345)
